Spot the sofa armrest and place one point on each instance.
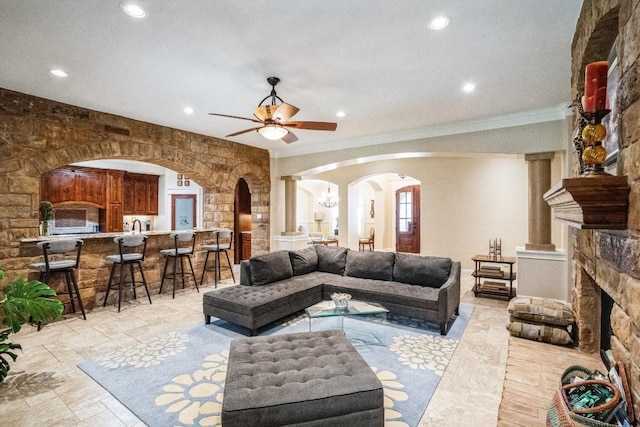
(245, 273)
(449, 295)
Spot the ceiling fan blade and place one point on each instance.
(289, 138)
(285, 112)
(235, 117)
(311, 125)
(265, 112)
(242, 131)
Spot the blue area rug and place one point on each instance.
(178, 379)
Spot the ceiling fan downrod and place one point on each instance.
(273, 81)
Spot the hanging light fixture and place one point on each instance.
(329, 201)
(273, 132)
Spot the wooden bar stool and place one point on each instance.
(58, 259)
(131, 250)
(223, 242)
(184, 245)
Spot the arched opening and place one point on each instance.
(242, 221)
(373, 205)
(317, 208)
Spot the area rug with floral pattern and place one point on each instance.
(178, 379)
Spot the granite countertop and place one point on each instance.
(87, 236)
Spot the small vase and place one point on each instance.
(44, 228)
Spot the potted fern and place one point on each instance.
(23, 301)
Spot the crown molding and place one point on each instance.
(559, 112)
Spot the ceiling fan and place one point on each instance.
(273, 118)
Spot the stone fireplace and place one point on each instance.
(606, 263)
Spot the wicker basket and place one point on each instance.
(561, 415)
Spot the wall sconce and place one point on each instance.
(372, 210)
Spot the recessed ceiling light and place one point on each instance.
(58, 73)
(469, 87)
(439, 22)
(188, 110)
(341, 114)
(134, 10)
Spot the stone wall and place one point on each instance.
(38, 135)
(604, 259)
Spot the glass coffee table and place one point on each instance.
(326, 309)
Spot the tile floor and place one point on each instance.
(489, 381)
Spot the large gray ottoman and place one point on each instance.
(302, 379)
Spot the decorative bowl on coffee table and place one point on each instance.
(341, 300)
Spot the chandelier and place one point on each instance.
(329, 201)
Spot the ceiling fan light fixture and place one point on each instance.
(273, 132)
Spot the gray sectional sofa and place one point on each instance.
(278, 284)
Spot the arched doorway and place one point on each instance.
(242, 221)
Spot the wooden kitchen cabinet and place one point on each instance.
(140, 194)
(111, 216)
(74, 185)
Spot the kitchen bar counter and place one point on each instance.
(94, 270)
(84, 236)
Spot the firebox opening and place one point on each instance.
(606, 305)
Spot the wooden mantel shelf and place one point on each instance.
(592, 202)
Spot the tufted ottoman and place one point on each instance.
(306, 378)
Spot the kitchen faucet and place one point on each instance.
(133, 226)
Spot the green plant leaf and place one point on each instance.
(4, 350)
(29, 300)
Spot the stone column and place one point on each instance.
(539, 210)
(290, 204)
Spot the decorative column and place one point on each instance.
(539, 210)
(290, 204)
(542, 271)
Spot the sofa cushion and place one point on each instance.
(331, 259)
(369, 265)
(383, 292)
(420, 270)
(270, 267)
(304, 261)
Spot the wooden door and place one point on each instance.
(408, 219)
(242, 221)
(183, 211)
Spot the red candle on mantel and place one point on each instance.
(595, 86)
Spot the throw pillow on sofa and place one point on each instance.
(421, 270)
(331, 259)
(304, 260)
(369, 265)
(270, 268)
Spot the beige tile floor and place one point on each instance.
(46, 388)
